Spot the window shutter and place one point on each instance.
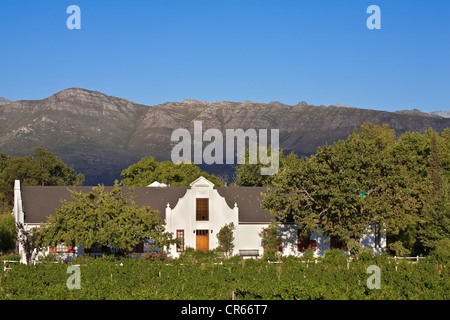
(335, 243)
(301, 244)
(140, 247)
(304, 243)
(312, 245)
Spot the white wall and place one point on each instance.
(183, 215)
(289, 232)
(247, 237)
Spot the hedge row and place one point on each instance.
(291, 278)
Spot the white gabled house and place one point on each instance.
(194, 214)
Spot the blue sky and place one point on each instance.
(152, 51)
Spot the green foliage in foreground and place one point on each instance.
(292, 278)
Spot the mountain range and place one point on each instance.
(100, 135)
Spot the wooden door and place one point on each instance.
(202, 242)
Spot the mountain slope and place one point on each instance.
(4, 101)
(444, 114)
(100, 135)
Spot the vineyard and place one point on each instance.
(287, 279)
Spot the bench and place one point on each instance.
(249, 253)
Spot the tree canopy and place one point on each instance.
(371, 179)
(147, 170)
(249, 174)
(42, 169)
(104, 219)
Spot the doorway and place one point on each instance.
(202, 242)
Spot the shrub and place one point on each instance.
(155, 256)
(308, 254)
(398, 249)
(236, 258)
(270, 255)
(192, 255)
(441, 251)
(7, 233)
(48, 258)
(226, 238)
(13, 256)
(335, 256)
(365, 256)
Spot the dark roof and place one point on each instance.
(248, 200)
(40, 202)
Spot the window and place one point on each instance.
(202, 209)
(180, 238)
(201, 232)
(304, 243)
(335, 243)
(62, 248)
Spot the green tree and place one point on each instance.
(140, 173)
(424, 158)
(434, 166)
(51, 171)
(441, 251)
(5, 206)
(270, 238)
(435, 224)
(104, 219)
(249, 174)
(43, 169)
(226, 239)
(7, 232)
(147, 170)
(324, 191)
(3, 161)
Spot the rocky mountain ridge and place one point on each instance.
(100, 135)
(4, 101)
(444, 114)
